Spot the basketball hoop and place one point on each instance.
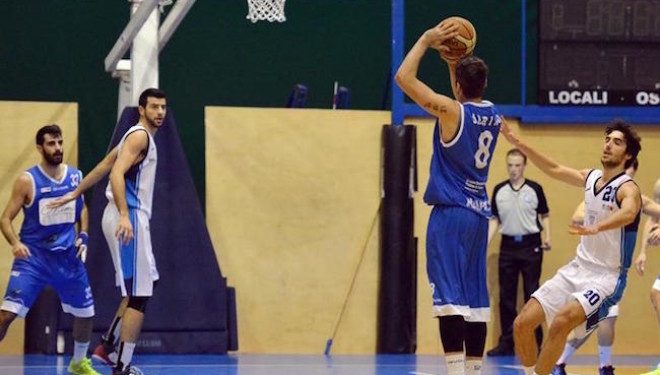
(266, 10)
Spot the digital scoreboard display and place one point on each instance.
(599, 52)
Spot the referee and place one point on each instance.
(518, 207)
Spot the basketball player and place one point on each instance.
(651, 238)
(132, 167)
(465, 135)
(47, 251)
(581, 292)
(605, 327)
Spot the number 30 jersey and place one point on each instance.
(612, 249)
(459, 168)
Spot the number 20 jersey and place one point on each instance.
(459, 168)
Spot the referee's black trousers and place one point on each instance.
(513, 262)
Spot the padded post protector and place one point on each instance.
(397, 292)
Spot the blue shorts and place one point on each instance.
(62, 270)
(456, 243)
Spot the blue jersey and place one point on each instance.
(51, 229)
(459, 168)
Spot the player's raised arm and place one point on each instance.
(543, 162)
(653, 238)
(441, 106)
(650, 208)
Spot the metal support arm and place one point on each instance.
(172, 21)
(125, 40)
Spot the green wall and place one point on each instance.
(498, 43)
(54, 51)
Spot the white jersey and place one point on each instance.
(140, 178)
(611, 249)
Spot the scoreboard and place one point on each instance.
(599, 52)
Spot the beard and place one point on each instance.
(54, 159)
(152, 121)
(610, 163)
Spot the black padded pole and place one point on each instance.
(397, 291)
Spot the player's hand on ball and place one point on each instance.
(436, 36)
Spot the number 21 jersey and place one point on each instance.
(612, 249)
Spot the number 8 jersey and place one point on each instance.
(459, 168)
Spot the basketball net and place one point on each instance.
(266, 10)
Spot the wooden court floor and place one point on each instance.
(244, 364)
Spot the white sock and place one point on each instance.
(473, 367)
(80, 350)
(116, 332)
(529, 370)
(455, 364)
(605, 354)
(112, 336)
(125, 354)
(568, 352)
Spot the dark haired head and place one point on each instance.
(471, 75)
(635, 164)
(633, 140)
(52, 129)
(517, 152)
(150, 93)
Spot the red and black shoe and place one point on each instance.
(104, 355)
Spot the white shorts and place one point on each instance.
(135, 266)
(613, 312)
(589, 286)
(656, 284)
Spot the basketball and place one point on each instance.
(462, 44)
